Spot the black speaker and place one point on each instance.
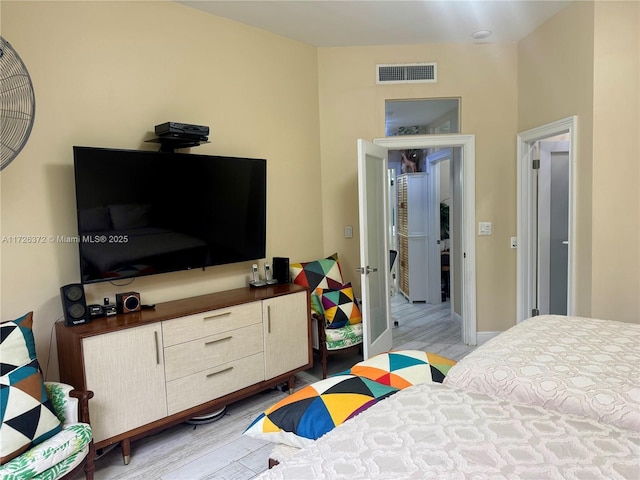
(281, 269)
(74, 304)
(128, 302)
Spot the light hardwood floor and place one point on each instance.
(220, 451)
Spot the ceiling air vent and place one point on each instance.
(407, 73)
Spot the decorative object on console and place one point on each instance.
(281, 269)
(256, 281)
(127, 302)
(268, 276)
(74, 304)
(95, 311)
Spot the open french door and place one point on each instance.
(373, 195)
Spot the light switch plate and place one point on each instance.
(348, 231)
(484, 228)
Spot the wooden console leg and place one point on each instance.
(291, 383)
(125, 446)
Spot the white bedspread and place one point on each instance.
(433, 431)
(574, 365)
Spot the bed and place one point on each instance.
(553, 397)
(582, 366)
(434, 431)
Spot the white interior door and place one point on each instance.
(373, 195)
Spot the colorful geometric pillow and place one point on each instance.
(25, 410)
(323, 273)
(16, 343)
(403, 368)
(309, 413)
(340, 307)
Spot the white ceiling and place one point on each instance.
(343, 23)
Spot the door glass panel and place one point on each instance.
(422, 116)
(376, 178)
(559, 233)
(553, 228)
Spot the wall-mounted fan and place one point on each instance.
(17, 104)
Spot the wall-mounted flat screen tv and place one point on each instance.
(144, 212)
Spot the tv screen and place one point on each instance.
(144, 212)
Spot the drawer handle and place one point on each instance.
(219, 372)
(268, 318)
(155, 333)
(218, 340)
(217, 315)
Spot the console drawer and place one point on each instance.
(192, 327)
(208, 352)
(193, 390)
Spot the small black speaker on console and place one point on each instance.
(128, 302)
(74, 304)
(281, 269)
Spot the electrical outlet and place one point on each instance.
(514, 242)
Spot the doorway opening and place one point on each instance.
(426, 296)
(462, 260)
(546, 220)
(421, 206)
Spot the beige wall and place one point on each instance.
(616, 162)
(585, 61)
(104, 74)
(352, 106)
(555, 81)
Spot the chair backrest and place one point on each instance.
(392, 258)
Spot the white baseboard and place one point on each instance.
(483, 337)
(456, 317)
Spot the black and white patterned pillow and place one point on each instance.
(26, 413)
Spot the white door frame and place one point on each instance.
(526, 263)
(467, 144)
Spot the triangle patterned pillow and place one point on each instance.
(340, 307)
(322, 273)
(26, 413)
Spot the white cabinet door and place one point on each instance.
(125, 370)
(286, 333)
